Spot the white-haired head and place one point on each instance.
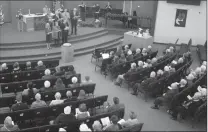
(152, 74)
(84, 128)
(47, 84)
(97, 126)
(38, 97)
(133, 65)
(47, 72)
(140, 63)
(180, 60)
(166, 68)
(203, 69)
(190, 77)
(40, 63)
(149, 47)
(67, 110)
(4, 66)
(198, 70)
(68, 94)
(167, 50)
(57, 96)
(74, 80)
(204, 63)
(154, 60)
(138, 50)
(183, 82)
(174, 85)
(159, 72)
(144, 50)
(62, 130)
(129, 52)
(174, 62)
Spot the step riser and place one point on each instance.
(38, 42)
(58, 55)
(35, 46)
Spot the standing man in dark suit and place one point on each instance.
(62, 27)
(74, 16)
(82, 11)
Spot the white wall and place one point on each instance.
(166, 32)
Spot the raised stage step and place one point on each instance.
(81, 48)
(73, 39)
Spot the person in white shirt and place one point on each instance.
(57, 99)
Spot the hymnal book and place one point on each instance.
(105, 121)
(121, 121)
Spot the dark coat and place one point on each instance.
(64, 119)
(19, 106)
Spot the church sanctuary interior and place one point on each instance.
(128, 65)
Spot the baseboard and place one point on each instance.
(194, 46)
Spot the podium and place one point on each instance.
(136, 41)
(67, 53)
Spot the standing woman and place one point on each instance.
(48, 32)
(66, 31)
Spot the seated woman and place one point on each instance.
(74, 83)
(16, 67)
(82, 95)
(120, 78)
(159, 74)
(82, 112)
(59, 84)
(57, 99)
(40, 65)
(30, 91)
(70, 97)
(129, 56)
(138, 53)
(97, 127)
(9, 125)
(28, 66)
(131, 121)
(144, 52)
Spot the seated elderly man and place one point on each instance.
(131, 121)
(97, 127)
(159, 74)
(75, 83)
(38, 103)
(66, 117)
(190, 105)
(16, 67)
(144, 52)
(138, 53)
(57, 100)
(190, 79)
(172, 49)
(179, 63)
(204, 63)
(40, 66)
(47, 87)
(117, 105)
(19, 105)
(129, 56)
(153, 61)
(70, 97)
(140, 66)
(144, 84)
(166, 71)
(167, 97)
(9, 125)
(28, 66)
(120, 78)
(48, 75)
(182, 85)
(149, 49)
(203, 69)
(4, 68)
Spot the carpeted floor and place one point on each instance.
(154, 120)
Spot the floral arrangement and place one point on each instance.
(96, 23)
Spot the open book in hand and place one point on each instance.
(121, 121)
(189, 97)
(105, 121)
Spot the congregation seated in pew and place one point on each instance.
(40, 66)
